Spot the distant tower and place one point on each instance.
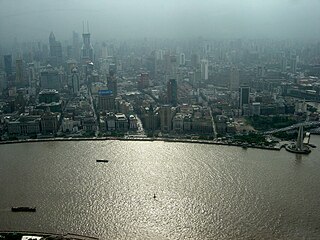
(19, 73)
(283, 63)
(52, 39)
(55, 51)
(75, 81)
(204, 69)
(293, 64)
(182, 59)
(86, 49)
(172, 92)
(104, 51)
(112, 84)
(76, 46)
(234, 79)
(7, 64)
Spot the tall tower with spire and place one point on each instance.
(87, 54)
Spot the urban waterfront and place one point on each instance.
(202, 191)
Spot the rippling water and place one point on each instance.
(203, 191)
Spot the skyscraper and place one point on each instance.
(19, 73)
(76, 45)
(283, 63)
(55, 51)
(244, 92)
(234, 79)
(75, 81)
(172, 92)
(49, 78)
(204, 69)
(87, 54)
(293, 64)
(182, 59)
(112, 84)
(8, 64)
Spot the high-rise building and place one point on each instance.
(244, 92)
(104, 51)
(87, 54)
(75, 81)
(182, 59)
(106, 101)
(293, 64)
(8, 64)
(76, 45)
(172, 91)
(55, 51)
(261, 71)
(234, 79)
(49, 78)
(173, 66)
(112, 84)
(283, 63)
(204, 69)
(19, 73)
(195, 60)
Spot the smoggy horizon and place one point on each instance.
(35, 19)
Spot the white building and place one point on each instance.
(204, 69)
(182, 59)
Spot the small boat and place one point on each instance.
(23, 209)
(154, 196)
(102, 160)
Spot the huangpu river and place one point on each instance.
(201, 191)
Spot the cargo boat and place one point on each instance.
(23, 209)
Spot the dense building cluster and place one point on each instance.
(196, 88)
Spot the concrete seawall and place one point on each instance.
(136, 139)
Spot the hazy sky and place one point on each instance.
(35, 19)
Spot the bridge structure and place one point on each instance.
(294, 126)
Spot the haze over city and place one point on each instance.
(167, 119)
(285, 19)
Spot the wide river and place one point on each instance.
(202, 191)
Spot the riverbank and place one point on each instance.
(212, 142)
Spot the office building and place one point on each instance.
(106, 101)
(7, 64)
(75, 81)
(76, 45)
(55, 51)
(293, 64)
(19, 73)
(87, 54)
(112, 84)
(49, 78)
(172, 91)
(244, 92)
(204, 69)
(234, 82)
(182, 59)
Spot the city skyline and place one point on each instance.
(177, 19)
